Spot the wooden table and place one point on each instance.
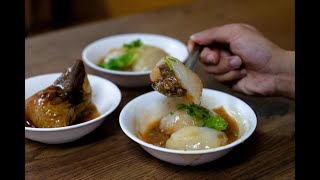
(107, 153)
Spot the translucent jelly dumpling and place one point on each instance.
(196, 138)
(175, 121)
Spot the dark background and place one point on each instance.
(48, 15)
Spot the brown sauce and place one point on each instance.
(232, 130)
(154, 135)
(90, 113)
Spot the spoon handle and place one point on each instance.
(191, 61)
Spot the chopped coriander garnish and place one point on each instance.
(200, 113)
(125, 60)
(172, 59)
(121, 62)
(216, 122)
(134, 44)
(181, 106)
(166, 60)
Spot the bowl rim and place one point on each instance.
(244, 137)
(99, 118)
(131, 73)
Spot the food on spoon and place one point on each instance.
(173, 79)
(66, 102)
(134, 56)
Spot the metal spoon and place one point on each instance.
(191, 61)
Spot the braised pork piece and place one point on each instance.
(63, 103)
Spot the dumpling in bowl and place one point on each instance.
(134, 56)
(173, 79)
(175, 121)
(196, 138)
(65, 102)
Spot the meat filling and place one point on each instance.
(167, 83)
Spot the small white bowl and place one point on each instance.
(105, 95)
(147, 108)
(94, 51)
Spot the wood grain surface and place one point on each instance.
(107, 153)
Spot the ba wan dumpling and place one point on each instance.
(173, 79)
(148, 58)
(196, 138)
(175, 121)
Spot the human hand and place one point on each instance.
(255, 65)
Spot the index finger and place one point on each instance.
(222, 34)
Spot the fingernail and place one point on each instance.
(210, 58)
(235, 63)
(243, 72)
(194, 36)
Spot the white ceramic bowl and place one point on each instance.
(94, 51)
(147, 108)
(105, 95)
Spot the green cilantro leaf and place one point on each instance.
(166, 60)
(172, 59)
(200, 113)
(134, 44)
(181, 106)
(216, 122)
(121, 62)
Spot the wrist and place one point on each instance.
(285, 85)
(284, 73)
(284, 62)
